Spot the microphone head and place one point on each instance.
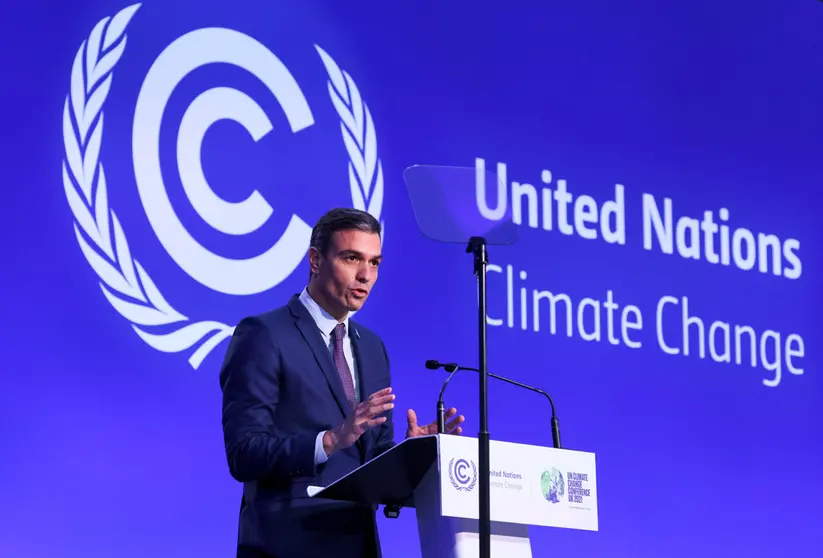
(432, 364)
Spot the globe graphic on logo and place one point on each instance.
(553, 485)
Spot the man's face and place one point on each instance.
(346, 274)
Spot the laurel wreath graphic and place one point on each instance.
(123, 280)
(359, 135)
(455, 483)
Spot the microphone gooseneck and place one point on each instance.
(453, 368)
(441, 406)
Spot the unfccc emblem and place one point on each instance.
(124, 281)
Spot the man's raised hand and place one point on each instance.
(452, 426)
(365, 416)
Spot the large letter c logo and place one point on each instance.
(195, 49)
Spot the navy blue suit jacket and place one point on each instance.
(280, 390)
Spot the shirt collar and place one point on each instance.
(325, 321)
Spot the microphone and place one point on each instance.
(441, 406)
(453, 368)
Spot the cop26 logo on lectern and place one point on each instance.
(124, 280)
(552, 485)
(460, 475)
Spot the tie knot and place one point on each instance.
(339, 332)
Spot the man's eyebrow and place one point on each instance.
(358, 254)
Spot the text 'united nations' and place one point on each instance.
(711, 238)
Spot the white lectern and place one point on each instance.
(438, 476)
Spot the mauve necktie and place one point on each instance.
(342, 365)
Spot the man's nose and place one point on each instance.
(365, 273)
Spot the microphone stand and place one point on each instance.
(441, 405)
(452, 368)
(477, 246)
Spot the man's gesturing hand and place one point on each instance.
(363, 418)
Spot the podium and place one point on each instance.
(438, 477)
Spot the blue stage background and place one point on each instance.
(113, 448)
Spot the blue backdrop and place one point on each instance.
(114, 327)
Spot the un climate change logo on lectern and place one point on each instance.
(462, 474)
(124, 280)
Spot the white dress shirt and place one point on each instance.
(326, 324)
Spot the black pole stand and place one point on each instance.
(477, 246)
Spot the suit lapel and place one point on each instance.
(308, 329)
(364, 385)
(360, 351)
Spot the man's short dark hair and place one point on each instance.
(341, 219)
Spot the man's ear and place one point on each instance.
(314, 260)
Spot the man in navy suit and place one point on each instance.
(307, 398)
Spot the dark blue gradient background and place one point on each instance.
(112, 449)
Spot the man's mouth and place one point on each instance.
(360, 292)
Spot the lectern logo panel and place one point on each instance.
(462, 474)
(552, 485)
